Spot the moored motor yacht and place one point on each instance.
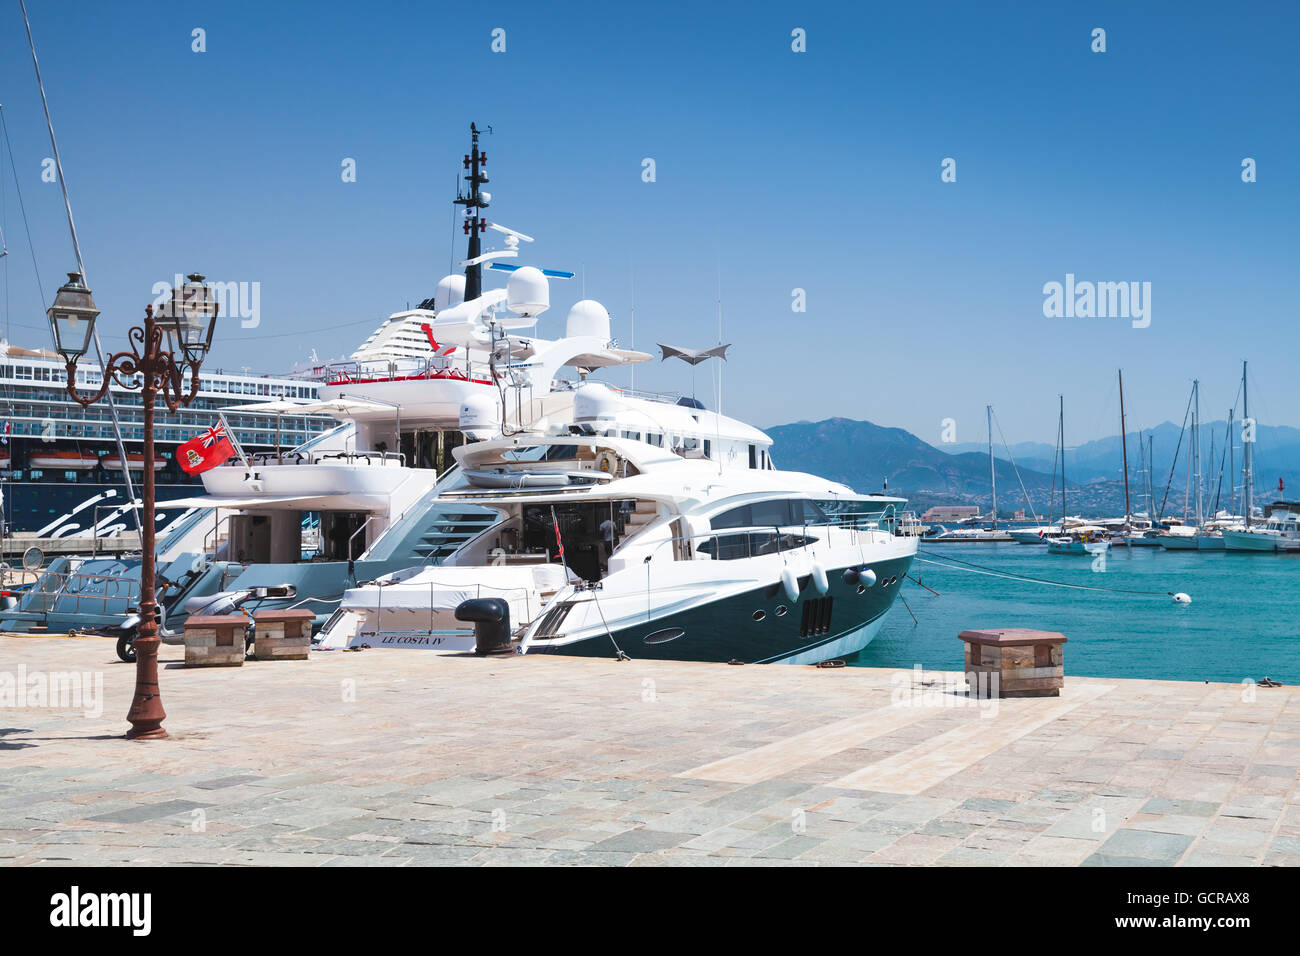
(1279, 532)
(652, 530)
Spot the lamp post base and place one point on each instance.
(154, 733)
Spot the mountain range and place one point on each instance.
(865, 456)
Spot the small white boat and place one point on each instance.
(1038, 535)
(1089, 539)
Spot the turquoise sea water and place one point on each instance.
(1243, 622)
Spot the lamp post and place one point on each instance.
(157, 372)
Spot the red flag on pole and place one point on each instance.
(206, 451)
(559, 542)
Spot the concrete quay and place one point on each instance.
(408, 758)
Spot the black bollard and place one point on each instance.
(491, 618)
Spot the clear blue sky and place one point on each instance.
(817, 170)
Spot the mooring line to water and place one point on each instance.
(917, 582)
(994, 572)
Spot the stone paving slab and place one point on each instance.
(391, 758)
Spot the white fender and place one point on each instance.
(867, 576)
(819, 578)
(790, 581)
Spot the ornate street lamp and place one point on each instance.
(157, 372)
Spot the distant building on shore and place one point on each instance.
(941, 513)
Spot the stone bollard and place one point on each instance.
(215, 640)
(282, 635)
(1026, 663)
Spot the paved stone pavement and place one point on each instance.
(399, 758)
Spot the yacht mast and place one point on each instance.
(993, 475)
(1248, 478)
(475, 224)
(1123, 439)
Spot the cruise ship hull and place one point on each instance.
(49, 509)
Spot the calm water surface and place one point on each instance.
(1244, 619)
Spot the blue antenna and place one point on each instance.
(552, 273)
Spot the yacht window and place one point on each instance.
(708, 448)
(807, 512)
(753, 456)
(735, 518)
(751, 544)
(776, 513)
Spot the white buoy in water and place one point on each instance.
(1181, 598)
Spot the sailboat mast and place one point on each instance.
(1123, 439)
(1151, 478)
(475, 224)
(993, 474)
(1248, 478)
(1060, 428)
(1196, 448)
(1232, 465)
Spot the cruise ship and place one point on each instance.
(60, 469)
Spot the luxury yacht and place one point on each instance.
(651, 530)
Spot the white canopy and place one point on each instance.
(343, 407)
(281, 406)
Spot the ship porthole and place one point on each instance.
(780, 610)
(759, 615)
(862, 589)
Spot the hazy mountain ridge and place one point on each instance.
(864, 455)
(1277, 453)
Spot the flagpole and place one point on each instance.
(234, 440)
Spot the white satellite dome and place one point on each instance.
(527, 292)
(594, 402)
(588, 317)
(480, 417)
(450, 291)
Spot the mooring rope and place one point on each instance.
(994, 572)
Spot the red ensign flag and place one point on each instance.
(206, 451)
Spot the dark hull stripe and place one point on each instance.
(725, 630)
